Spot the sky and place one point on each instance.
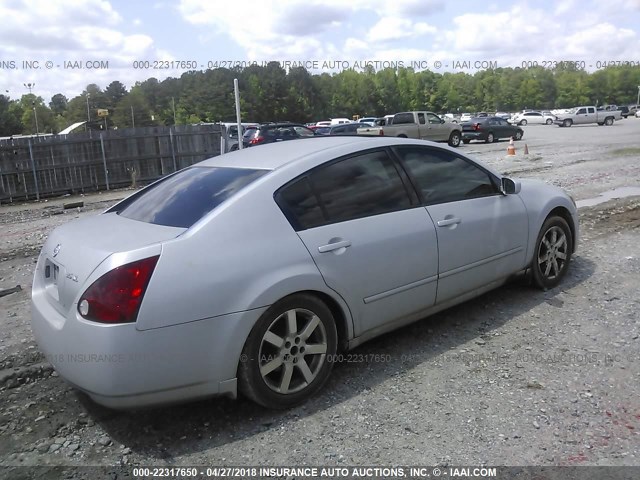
(60, 46)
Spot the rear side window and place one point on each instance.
(403, 118)
(356, 187)
(182, 199)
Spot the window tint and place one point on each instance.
(300, 205)
(421, 119)
(442, 177)
(581, 111)
(182, 199)
(360, 186)
(591, 110)
(403, 118)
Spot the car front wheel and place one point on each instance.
(287, 356)
(518, 135)
(552, 253)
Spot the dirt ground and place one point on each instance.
(515, 377)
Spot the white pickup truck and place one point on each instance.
(585, 115)
(420, 125)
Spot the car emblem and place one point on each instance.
(56, 250)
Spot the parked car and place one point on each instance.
(371, 121)
(586, 115)
(489, 129)
(624, 111)
(637, 114)
(276, 132)
(231, 134)
(422, 125)
(322, 130)
(503, 115)
(347, 128)
(250, 270)
(533, 117)
(465, 117)
(324, 123)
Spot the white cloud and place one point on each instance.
(397, 28)
(68, 30)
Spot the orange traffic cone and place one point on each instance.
(511, 149)
(526, 149)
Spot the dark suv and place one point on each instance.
(276, 132)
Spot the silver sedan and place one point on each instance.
(251, 270)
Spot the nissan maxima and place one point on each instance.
(249, 271)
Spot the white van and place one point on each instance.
(340, 121)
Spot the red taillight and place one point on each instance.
(256, 140)
(477, 126)
(116, 296)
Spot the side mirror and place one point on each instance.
(509, 187)
(442, 120)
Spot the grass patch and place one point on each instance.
(627, 151)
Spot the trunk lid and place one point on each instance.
(74, 250)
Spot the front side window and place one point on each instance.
(433, 118)
(182, 199)
(442, 176)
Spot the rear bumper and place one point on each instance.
(474, 136)
(121, 367)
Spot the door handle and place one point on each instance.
(334, 246)
(449, 221)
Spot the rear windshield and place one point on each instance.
(182, 199)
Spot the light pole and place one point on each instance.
(88, 113)
(638, 100)
(31, 86)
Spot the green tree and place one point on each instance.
(10, 117)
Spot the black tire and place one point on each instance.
(601, 123)
(522, 123)
(454, 139)
(490, 138)
(402, 135)
(259, 352)
(608, 121)
(518, 135)
(233, 148)
(465, 141)
(547, 266)
(549, 121)
(567, 122)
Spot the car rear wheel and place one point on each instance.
(552, 253)
(549, 121)
(454, 139)
(522, 122)
(567, 123)
(490, 138)
(608, 121)
(518, 135)
(287, 356)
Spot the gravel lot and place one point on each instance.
(515, 377)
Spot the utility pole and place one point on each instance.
(173, 103)
(133, 120)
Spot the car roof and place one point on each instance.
(275, 155)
